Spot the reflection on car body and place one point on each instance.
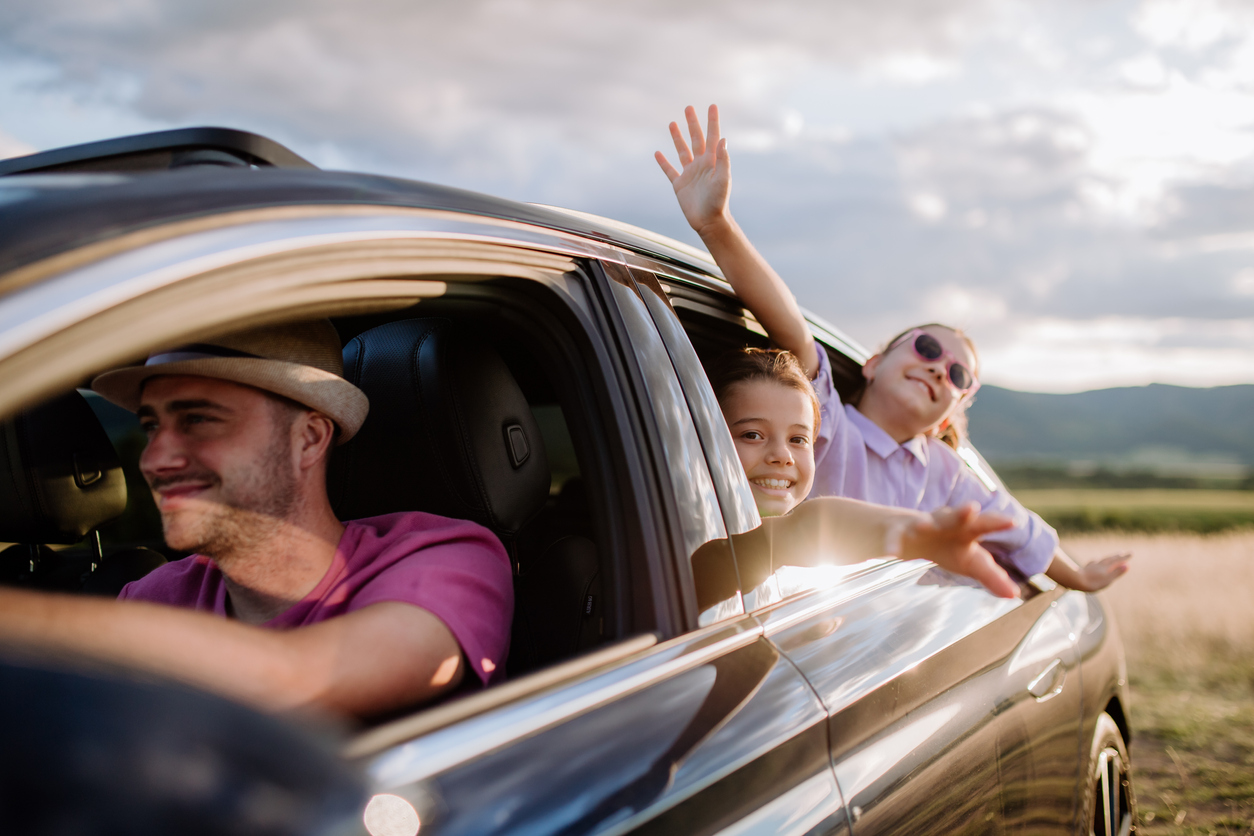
(872, 698)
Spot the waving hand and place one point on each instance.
(704, 184)
(950, 540)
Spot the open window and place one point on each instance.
(511, 364)
(790, 560)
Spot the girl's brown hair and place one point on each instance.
(772, 364)
(954, 430)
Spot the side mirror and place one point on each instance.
(101, 752)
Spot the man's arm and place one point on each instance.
(704, 191)
(379, 658)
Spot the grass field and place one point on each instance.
(1152, 510)
(1188, 625)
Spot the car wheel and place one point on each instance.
(1110, 807)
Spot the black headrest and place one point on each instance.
(59, 475)
(449, 431)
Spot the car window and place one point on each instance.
(739, 512)
(570, 595)
(711, 579)
(779, 565)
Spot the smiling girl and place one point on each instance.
(895, 442)
(774, 417)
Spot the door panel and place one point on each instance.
(911, 665)
(688, 737)
(1039, 730)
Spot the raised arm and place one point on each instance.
(703, 189)
(382, 657)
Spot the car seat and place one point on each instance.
(60, 479)
(450, 433)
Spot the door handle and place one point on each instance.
(1048, 683)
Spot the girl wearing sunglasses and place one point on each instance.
(895, 442)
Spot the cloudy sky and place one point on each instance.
(1072, 180)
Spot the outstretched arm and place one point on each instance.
(703, 188)
(381, 657)
(1089, 578)
(838, 530)
(949, 537)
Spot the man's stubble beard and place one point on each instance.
(248, 514)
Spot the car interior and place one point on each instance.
(716, 325)
(474, 414)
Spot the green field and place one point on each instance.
(1153, 510)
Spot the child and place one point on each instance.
(773, 415)
(885, 447)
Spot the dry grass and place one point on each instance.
(1186, 614)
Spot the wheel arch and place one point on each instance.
(1115, 709)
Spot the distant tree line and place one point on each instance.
(1031, 476)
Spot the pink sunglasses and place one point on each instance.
(928, 348)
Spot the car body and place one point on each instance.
(885, 697)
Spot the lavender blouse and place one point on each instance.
(853, 457)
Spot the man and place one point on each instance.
(280, 604)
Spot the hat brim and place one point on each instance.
(319, 390)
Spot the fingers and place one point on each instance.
(667, 168)
(694, 131)
(711, 131)
(966, 520)
(1115, 563)
(988, 523)
(994, 578)
(681, 147)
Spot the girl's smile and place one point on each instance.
(907, 394)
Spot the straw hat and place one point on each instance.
(300, 361)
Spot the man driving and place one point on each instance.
(280, 603)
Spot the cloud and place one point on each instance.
(11, 147)
(1068, 181)
(1065, 356)
(483, 84)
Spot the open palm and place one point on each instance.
(704, 184)
(950, 540)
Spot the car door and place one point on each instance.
(1039, 741)
(689, 729)
(916, 670)
(843, 629)
(710, 731)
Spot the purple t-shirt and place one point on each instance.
(456, 570)
(854, 457)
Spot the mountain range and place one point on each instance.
(1169, 430)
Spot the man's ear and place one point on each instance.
(317, 437)
(869, 367)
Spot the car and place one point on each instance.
(542, 372)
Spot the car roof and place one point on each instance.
(57, 201)
(161, 150)
(42, 215)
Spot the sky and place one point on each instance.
(1070, 181)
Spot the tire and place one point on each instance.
(1110, 804)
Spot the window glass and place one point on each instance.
(739, 511)
(700, 518)
(784, 556)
